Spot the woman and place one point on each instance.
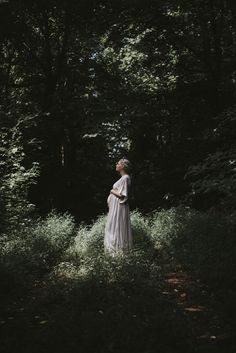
(118, 234)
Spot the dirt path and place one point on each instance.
(213, 332)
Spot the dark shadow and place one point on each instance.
(135, 312)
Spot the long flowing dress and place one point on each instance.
(118, 232)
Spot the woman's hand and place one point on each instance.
(116, 193)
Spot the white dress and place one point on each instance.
(118, 233)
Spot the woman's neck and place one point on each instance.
(123, 173)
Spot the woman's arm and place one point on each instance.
(116, 193)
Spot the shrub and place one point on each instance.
(39, 245)
(141, 230)
(89, 239)
(202, 241)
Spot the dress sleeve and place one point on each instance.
(124, 190)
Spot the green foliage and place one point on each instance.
(141, 230)
(165, 227)
(216, 173)
(85, 258)
(89, 239)
(131, 58)
(90, 82)
(38, 245)
(202, 241)
(57, 229)
(15, 178)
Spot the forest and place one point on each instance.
(84, 83)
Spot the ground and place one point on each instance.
(173, 311)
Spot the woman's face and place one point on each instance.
(119, 165)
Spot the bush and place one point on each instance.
(141, 230)
(202, 241)
(89, 240)
(39, 245)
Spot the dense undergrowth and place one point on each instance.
(201, 242)
(75, 296)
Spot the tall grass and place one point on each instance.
(86, 257)
(100, 303)
(201, 241)
(38, 245)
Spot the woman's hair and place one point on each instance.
(127, 165)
